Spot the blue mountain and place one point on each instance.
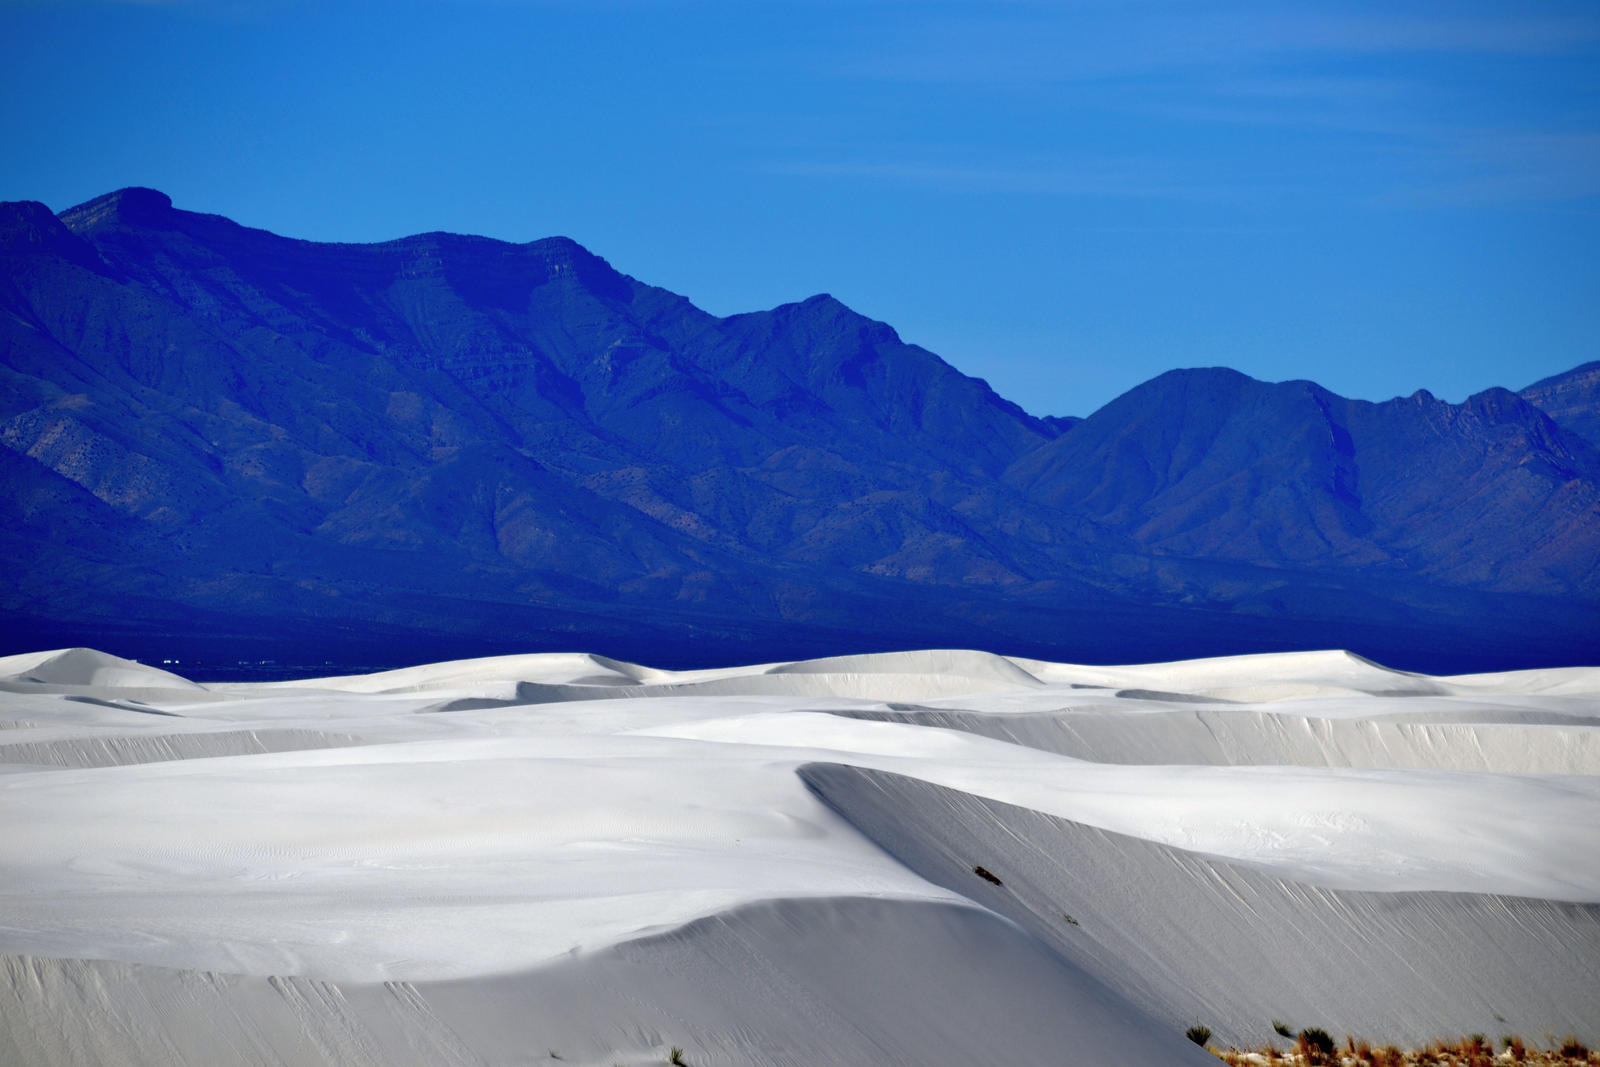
(215, 438)
(1571, 399)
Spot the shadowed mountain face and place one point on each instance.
(1571, 399)
(1210, 464)
(448, 444)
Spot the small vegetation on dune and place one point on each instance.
(1198, 1034)
(1315, 1047)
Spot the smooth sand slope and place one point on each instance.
(1162, 926)
(486, 861)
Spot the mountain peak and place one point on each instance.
(563, 256)
(1585, 372)
(27, 222)
(133, 206)
(567, 251)
(820, 307)
(826, 311)
(559, 243)
(28, 227)
(1183, 385)
(1572, 399)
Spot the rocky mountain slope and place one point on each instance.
(215, 437)
(1571, 399)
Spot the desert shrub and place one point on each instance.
(1573, 1049)
(1198, 1034)
(1514, 1047)
(676, 1059)
(1281, 1028)
(1388, 1056)
(1476, 1050)
(1315, 1044)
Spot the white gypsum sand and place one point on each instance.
(484, 861)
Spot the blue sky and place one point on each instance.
(1064, 198)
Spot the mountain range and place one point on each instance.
(217, 442)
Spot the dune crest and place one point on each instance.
(87, 668)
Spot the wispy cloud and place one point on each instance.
(1382, 107)
(1509, 34)
(1022, 43)
(1083, 178)
(1502, 167)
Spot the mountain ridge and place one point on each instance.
(438, 432)
(1571, 398)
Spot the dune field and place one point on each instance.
(915, 858)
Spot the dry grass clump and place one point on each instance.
(1574, 1049)
(1313, 1047)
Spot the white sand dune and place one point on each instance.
(1503, 740)
(1162, 926)
(577, 669)
(482, 860)
(85, 667)
(785, 982)
(118, 749)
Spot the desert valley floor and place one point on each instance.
(914, 858)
